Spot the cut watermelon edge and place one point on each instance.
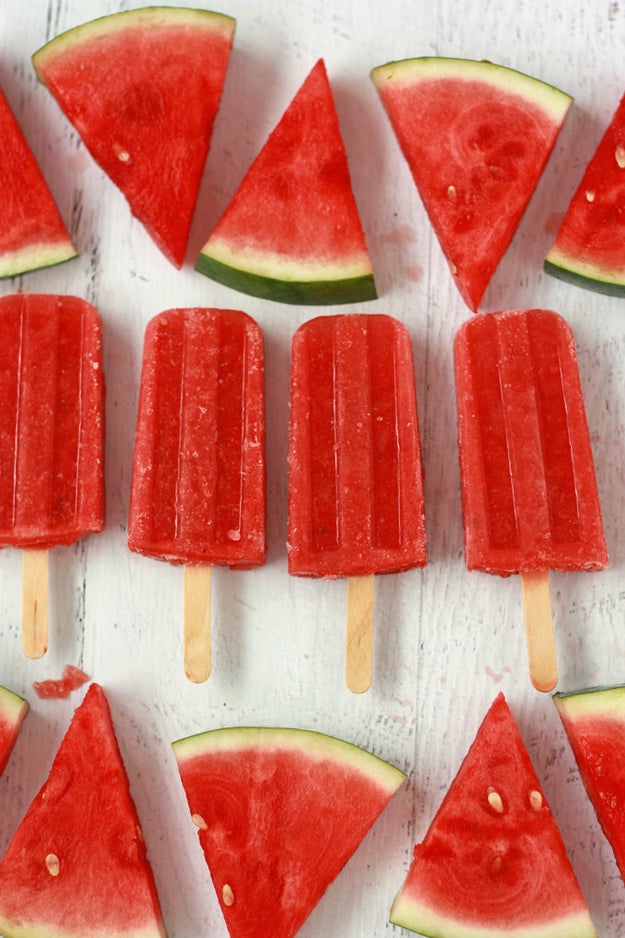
(35, 257)
(427, 68)
(587, 276)
(294, 283)
(604, 700)
(13, 707)
(418, 917)
(313, 743)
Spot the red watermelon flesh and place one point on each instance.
(13, 709)
(493, 862)
(292, 231)
(594, 721)
(142, 89)
(476, 137)
(279, 812)
(589, 249)
(77, 864)
(32, 232)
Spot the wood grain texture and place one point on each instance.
(446, 641)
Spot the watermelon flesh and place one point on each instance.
(493, 862)
(77, 864)
(142, 89)
(279, 813)
(594, 721)
(13, 710)
(476, 137)
(589, 248)
(292, 232)
(32, 232)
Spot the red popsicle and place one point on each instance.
(198, 481)
(355, 476)
(529, 492)
(51, 437)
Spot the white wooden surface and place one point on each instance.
(446, 641)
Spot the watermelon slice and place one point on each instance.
(279, 812)
(594, 721)
(13, 709)
(476, 137)
(77, 864)
(32, 233)
(292, 231)
(493, 863)
(142, 89)
(589, 249)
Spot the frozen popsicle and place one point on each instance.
(51, 437)
(529, 492)
(355, 476)
(198, 480)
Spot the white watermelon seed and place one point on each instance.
(199, 821)
(620, 156)
(497, 864)
(590, 195)
(536, 800)
(451, 193)
(53, 865)
(495, 801)
(228, 895)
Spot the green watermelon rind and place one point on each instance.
(28, 930)
(586, 276)
(600, 701)
(150, 16)
(13, 708)
(545, 96)
(418, 917)
(324, 290)
(35, 257)
(311, 743)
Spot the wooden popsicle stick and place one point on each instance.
(359, 651)
(34, 602)
(197, 623)
(541, 650)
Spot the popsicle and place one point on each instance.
(529, 492)
(198, 479)
(51, 438)
(355, 475)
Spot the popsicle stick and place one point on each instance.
(541, 650)
(34, 602)
(359, 651)
(197, 623)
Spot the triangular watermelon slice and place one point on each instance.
(476, 137)
(279, 812)
(142, 89)
(32, 232)
(594, 721)
(493, 863)
(77, 864)
(589, 249)
(292, 231)
(13, 709)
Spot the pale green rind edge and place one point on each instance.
(315, 745)
(37, 930)
(35, 257)
(583, 275)
(115, 22)
(12, 707)
(593, 701)
(305, 292)
(419, 918)
(546, 96)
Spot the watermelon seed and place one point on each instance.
(497, 864)
(620, 156)
(52, 862)
(495, 801)
(451, 193)
(199, 821)
(228, 895)
(590, 195)
(536, 800)
(121, 154)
